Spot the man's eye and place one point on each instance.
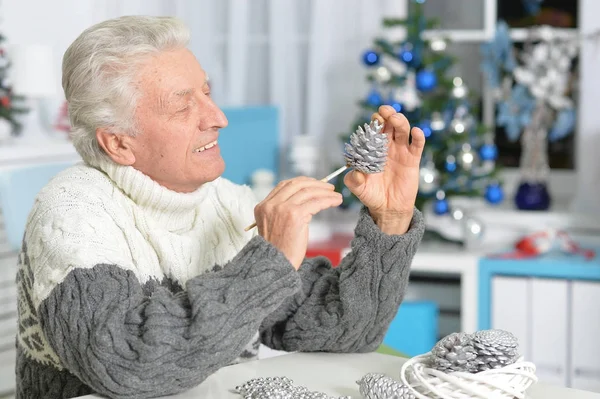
(207, 94)
(184, 109)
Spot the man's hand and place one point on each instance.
(283, 217)
(390, 195)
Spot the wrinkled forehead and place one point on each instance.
(171, 76)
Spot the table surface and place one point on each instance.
(334, 374)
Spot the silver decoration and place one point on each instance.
(457, 213)
(467, 157)
(367, 150)
(395, 66)
(383, 74)
(380, 386)
(473, 231)
(429, 178)
(438, 45)
(454, 352)
(495, 349)
(482, 350)
(459, 90)
(437, 123)
(458, 126)
(408, 95)
(278, 388)
(534, 163)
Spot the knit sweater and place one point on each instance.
(130, 290)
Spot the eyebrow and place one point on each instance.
(163, 102)
(184, 92)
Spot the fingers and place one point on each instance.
(395, 123)
(288, 188)
(315, 205)
(285, 186)
(311, 193)
(418, 141)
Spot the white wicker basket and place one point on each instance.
(508, 382)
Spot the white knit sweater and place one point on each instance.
(142, 226)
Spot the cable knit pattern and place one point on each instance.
(130, 290)
(349, 308)
(137, 346)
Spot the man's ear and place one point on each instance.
(118, 147)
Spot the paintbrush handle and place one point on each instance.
(325, 179)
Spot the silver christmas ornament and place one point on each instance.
(395, 66)
(367, 150)
(429, 178)
(278, 388)
(438, 45)
(466, 157)
(473, 231)
(459, 90)
(458, 126)
(380, 386)
(454, 352)
(457, 214)
(437, 123)
(495, 348)
(383, 74)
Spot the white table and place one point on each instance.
(334, 374)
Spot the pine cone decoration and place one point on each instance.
(455, 352)
(380, 386)
(367, 150)
(495, 349)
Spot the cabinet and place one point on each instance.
(584, 372)
(553, 307)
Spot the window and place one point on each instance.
(468, 30)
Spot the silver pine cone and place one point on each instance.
(454, 352)
(495, 348)
(380, 386)
(277, 388)
(367, 150)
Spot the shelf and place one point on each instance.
(19, 152)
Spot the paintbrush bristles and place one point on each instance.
(367, 150)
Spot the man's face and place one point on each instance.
(178, 123)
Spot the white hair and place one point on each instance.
(98, 72)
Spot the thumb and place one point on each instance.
(354, 180)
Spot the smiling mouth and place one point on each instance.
(206, 147)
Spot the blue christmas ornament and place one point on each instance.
(488, 152)
(425, 126)
(494, 193)
(426, 80)
(451, 163)
(441, 207)
(407, 56)
(397, 106)
(370, 58)
(374, 98)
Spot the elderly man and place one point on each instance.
(136, 276)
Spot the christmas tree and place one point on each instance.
(9, 109)
(412, 75)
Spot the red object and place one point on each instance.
(543, 242)
(62, 120)
(5, 101)
(331, 249)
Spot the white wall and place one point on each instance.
(58, 22)
(587, 198)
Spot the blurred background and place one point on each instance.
(506, 92)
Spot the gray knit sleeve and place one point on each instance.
(348, 308)
(125, 340)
